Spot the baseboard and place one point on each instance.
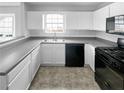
(47, 64)
(87, 65)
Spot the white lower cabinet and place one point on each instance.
(53, 54)
(21, 80)
(35, 62)
(3, 82)
(13, 73)
(90, 56)
(46, 53)
(59, 54)
(21, 76)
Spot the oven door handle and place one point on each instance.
(107, 84)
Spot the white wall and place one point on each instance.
(77, 24)
(68, 33)
(24, 31)
(106, 36)
(18, 10)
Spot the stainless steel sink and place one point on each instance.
(53, 40)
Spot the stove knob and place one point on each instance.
(115, 65)
(119, 66)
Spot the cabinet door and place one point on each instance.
(3, 82)
(53, 54)
(90, 56)
(99, 19)
(117, 9)
(35, 61)
(12, 74)
(59, 54)
(47, 53)
(34, 20)
(21, 81)
(79, 20)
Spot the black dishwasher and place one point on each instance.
(74, 55)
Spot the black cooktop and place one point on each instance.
(115, 52)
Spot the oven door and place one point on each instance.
(105, 76)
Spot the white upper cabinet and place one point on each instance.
(99, 18)
(34, 20)
(117, 9)
(79, 20)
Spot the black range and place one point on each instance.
(109, 67)
(114, 56)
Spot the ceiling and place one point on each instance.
(65, 6)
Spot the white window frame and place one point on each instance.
(13, 15)
(45, 24)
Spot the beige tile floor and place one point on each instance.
(64, 78)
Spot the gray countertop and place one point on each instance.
(12, 56)
(95, 42)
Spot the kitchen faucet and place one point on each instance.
(55, 37)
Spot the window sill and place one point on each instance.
(6, 40)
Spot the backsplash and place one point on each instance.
(68, 33)
(110, 37)
(78, 33)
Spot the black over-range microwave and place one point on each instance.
(115, 25)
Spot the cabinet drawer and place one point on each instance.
(21, 81)
(12, 74)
